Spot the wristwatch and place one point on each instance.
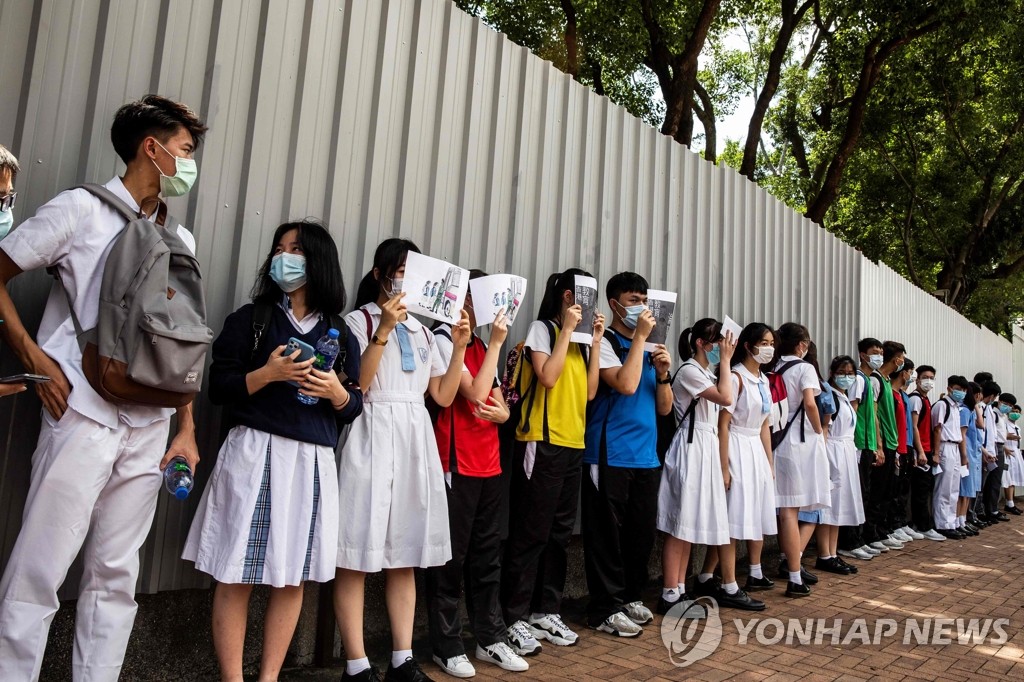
(666, 380)
(377, 341)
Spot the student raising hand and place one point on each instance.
(462, 331)
(727, 347)
(499, 329)
(572, 316)
(598, 326)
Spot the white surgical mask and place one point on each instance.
(874, 361)
(396, 287)
(926, 385)
(764, 354)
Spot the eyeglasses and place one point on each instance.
(7, 201)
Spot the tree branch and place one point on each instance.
(706, 114)
(571, 40)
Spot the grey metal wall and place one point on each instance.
(399, 117)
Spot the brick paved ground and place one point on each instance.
(977, 578)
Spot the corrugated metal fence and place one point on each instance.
(408, 117)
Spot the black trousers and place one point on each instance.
(877, 511)
(921, 485)
(993, 483)
(901, 493)
(852, 537)
(619, 519)
(473, 517)
(541, 520)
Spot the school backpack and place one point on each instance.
(778, 425)
(668, 426)
(516, 395)
(150, 341)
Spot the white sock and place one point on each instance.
(731, 588)
(399, 657)
(755, 571)
(963, 521)
(704, 577)
(1009, 503)
(794, 577)
(357, 666)
(682, 589)
(670, 594)
(825, 558)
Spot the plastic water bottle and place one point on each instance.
(327, 349)
(178, 478)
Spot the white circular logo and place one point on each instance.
(691, 631)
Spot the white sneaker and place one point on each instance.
(638, 613)
(907, 530)
(880, 546)
(870, 550)
(934, 535)
(856, 554)
(900, 536)
(892, 543)
(619, 625)
(456, 666)
(521, 639)
(549, 626)
(502, 655)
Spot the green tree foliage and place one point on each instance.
(898, 124)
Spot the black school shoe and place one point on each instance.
(710, 588)
(950, 534)
(738, 600)
(1013, 510)
(832, 566)
(371, 674)
(853, 569)
(758, 584)
(805, 575)
(794, 590)
(407, 672)
(1001, 516)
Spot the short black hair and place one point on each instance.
(907, 364)
(1008, 398)
(891, 349)
(866, 344)
(625, 283)
(325, 287)
(926, 368)
(152, 115)
(958, 381)
(981, 377)
(990, 388)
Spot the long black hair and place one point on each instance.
(812, 357)
(387, 259)
(325, 287)
(750, 336)
(787, 338)
(558, 283)
(969, 400)
(707, 330)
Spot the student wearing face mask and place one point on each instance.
(864, 394)
(900, 379)
(269, 515)
(1002, 406)
(692, 505)
(992, 452)
(970, 484)
(621, 467)
(949, 433)
(746, 451)
(921, 479)
(391, 487)
(802, 476)
(847, 507)
(96, 471)
(8, 170)
(1014, 476)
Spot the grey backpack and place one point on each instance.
(150, 341)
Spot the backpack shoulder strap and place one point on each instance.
(110, 199)
(261, 312)
(338, 322)
(369, 323)
(613, 339)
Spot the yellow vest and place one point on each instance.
(557, 415)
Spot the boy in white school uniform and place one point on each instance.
(96, 471)
(948, 439)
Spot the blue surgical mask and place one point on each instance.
(1005, 409)
(845, 381)
(874, 361)
(632, 314)
(288, 270)
(958, 395)
(714, 355)
(6, 222)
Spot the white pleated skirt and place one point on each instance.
(691, 496)
(393, 505)
(751, 494)
(847, 507)
(269, 513)
(802, 477)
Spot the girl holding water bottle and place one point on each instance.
(269, 514)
